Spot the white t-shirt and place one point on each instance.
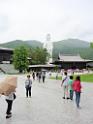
(66, 79)
(10, 96)
(28, 82)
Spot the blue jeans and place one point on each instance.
(77, 98)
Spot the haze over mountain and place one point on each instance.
(74, 47)
(34, 43)
(17, 43)
(73, 42)
(69, 46)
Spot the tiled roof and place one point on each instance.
(49, 65)
(9, 49)
(71, 58)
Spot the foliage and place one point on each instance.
(73, 47)
(56, 68)
(84, 77)
(14, 44)
(38, 55)
(86, 53)
(91, 45)
(70, 46)
(34, 43)
(87, 78)
(20, 60)
(18, 43)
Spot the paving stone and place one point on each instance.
(47, 106)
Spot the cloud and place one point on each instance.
(33, 19)
(3, 23)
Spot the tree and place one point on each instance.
(39, 55)
(20, 60)
(91, 45)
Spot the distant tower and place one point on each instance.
(49, 46)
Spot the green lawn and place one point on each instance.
(84, 77)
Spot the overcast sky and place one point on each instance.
(33, 19)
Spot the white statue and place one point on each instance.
(49, 46)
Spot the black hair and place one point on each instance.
(78, 78)
(65, 73)
(71, 77)
(28, 76)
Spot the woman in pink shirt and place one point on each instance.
(77, 88)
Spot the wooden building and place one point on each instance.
(42, 67)
(5, 55)
(72, 62)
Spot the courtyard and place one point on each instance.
(46, 105)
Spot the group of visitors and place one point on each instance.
(71, 86)
(41, 75)
(28, 86)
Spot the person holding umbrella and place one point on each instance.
(9, 99)
(7, 88)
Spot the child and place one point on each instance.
(77, 88)
(9, 99)
(70, 82)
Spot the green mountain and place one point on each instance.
(69, 43)
(17, 43)
(13, 44)
(69, 46)
(34, 43)
(73, 46)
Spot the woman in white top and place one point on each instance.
(64, 83)
(28, 86)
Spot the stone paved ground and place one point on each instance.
(47, 106)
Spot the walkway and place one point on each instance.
(47, 106)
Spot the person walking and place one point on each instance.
(77, 88)
(43, 76)
(9, 99)
(33, 75)
(28, 86)
(70, 82)
(56, 75)
(65, 79)
(39, 76)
